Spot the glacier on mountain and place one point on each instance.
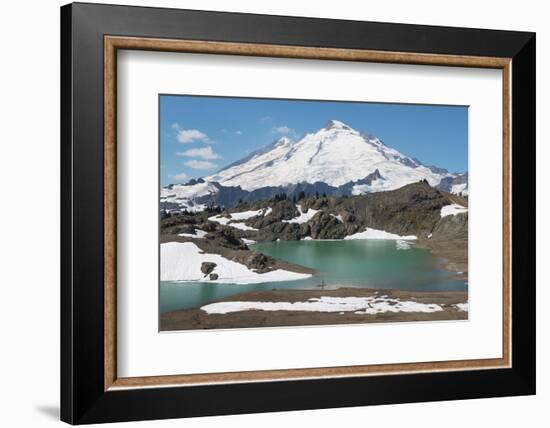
(336, 154)
(336, 160)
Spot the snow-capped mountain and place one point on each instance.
(336, 160)
(336, 154)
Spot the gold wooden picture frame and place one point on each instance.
(114, 43)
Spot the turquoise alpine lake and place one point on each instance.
(339, 263)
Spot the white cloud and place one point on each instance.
(189, 135)
(180, 177)
(284, 130)
(200, 164)
(185, 136)
(239, 132)
(203, 153)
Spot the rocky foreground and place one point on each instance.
(381, 306)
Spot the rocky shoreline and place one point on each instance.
(450, 306)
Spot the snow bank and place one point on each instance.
(304, 217)
(378, 234)
(244, 215)
(338, 217)
(241, 226)
(359, 305)
(452, 209)
(462, 306)
(199, 234)
(181, 261)
(248, 241)
(220, 219)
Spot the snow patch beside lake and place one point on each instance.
(359, 305)
(452, 209)
(379, 234)
(181, 261)
(304, 217)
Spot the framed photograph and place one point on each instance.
(319, 213)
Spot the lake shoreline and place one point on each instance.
(453, 252)
(193, 319)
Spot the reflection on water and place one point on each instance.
(361, 263)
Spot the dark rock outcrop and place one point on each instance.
(451, 227)
(207, 267)
(226, 238)
(280, 230)
(324, 226)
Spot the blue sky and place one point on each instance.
(199, 135)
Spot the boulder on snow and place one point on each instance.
(207, 267)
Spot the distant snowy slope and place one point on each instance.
(184, 195)
(457, 184)
(265, 154)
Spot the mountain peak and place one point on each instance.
(334, 155)
(336, 124)
(282, 140)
